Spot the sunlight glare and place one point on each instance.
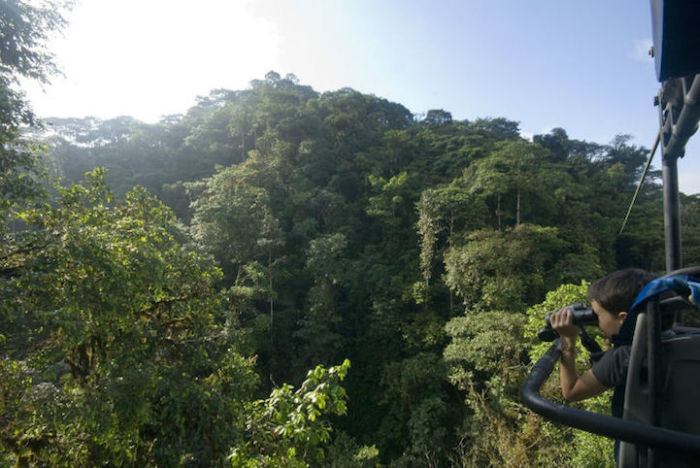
(135, 57)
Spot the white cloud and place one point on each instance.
(526, 135)
(640, 51)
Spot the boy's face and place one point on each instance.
(608, 322)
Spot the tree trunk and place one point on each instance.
(498, 209)
(269, 276)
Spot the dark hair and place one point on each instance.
(617, 291)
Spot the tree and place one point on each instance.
(485, 361)
(514, 169)
(233, 221)
(690, 217)
(437, 117)
(290, 428)
(116, 349)
(345, 228)
(557, 142)
(443, 212)
(416, 403)
(320, 327)
(24, 29)
(630, 157)
(504, 270)
(550, 444)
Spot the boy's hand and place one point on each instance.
(562, 322)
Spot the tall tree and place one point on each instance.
(24, 30)
(105, 318)
(233, 220)
(514, 170)
(504, 270)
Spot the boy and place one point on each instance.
(611, 298)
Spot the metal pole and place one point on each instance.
(656, 374)
(679, 112)
(616, 428)
(672, 213)
(669, 162)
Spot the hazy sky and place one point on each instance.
(579, 65)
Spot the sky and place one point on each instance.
(581, 66)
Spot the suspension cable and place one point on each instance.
(641, 180)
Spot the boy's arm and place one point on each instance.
(574, 387)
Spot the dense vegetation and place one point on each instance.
(166, 310)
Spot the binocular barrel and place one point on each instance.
(582, 314)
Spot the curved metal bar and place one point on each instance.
(677, 129)
(609, 426)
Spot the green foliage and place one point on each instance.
(343, 227)
(126, 340)
(416, 405)
(483, 342)
(345, 453)
(485, 361)
(581, 448)
(233, 220)
(519, 171)
(443, 212)
(24, 31)
(290, 429)
(690, 231)
(503, 270)
(318, 328)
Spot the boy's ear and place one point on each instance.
(622, 315)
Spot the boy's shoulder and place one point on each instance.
(611, 369)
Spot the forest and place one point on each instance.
(282, 277)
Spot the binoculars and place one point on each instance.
(582, 314)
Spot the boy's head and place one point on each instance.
(613, 295)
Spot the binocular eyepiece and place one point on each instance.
(582, 314)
